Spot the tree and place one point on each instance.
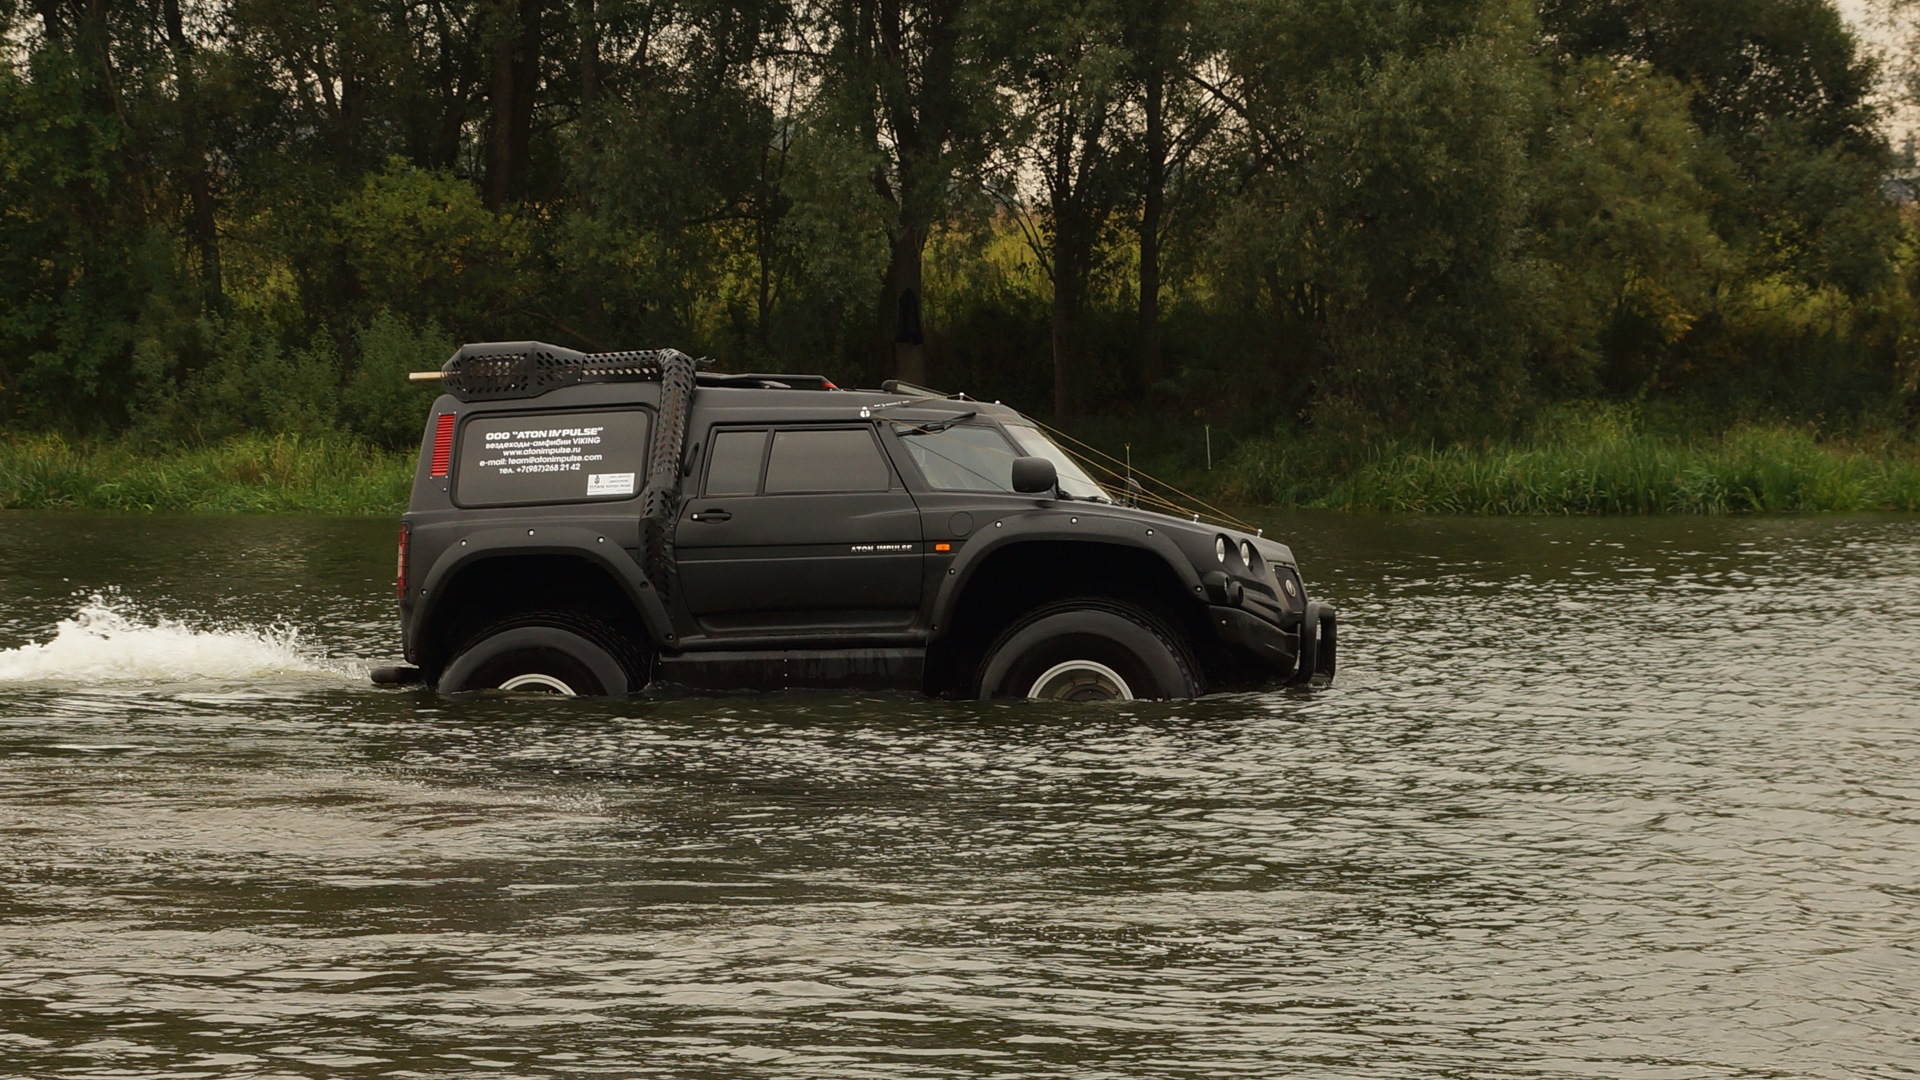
(1379, 223)
(1624, 225)
(1772, 84)
(1166, 47)
(202, 226)
(901, 76)
(514, 40)
(88, 267)
(1067, 74)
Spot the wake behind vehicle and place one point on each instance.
(597, 523)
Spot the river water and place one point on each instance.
(1593, 798)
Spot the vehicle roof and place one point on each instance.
(755, 404)
(714, 400)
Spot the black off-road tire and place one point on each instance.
(550, 652)
(1075, 649)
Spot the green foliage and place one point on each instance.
(1624, 226)
(379, 403)
(423, 246)
(1365, 226)
(1386, 254)
(246, 474)
(1592, 459)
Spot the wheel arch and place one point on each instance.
(495, 578)
(1001, 584)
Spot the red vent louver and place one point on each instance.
(400, 569)
(443, 445)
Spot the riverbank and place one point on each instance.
(1589, 468)
(249, 474)
(1579, 468)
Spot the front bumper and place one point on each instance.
(1309, 657)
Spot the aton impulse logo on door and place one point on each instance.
(868, 549)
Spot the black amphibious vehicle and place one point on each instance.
(595, 523)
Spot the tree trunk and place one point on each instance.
(516, 73)
(202, 226)
(1063, 358)
(901, 304)
(1070, 259)
(589, 57)
(50, 19)
(592, 300)
(1153, 208)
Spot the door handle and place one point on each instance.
(715, 514)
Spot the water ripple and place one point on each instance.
(1592, 798)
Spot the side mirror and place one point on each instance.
(1033, 475)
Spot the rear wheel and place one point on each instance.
(545, 654)
(1088, 650)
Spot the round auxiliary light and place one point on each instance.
(1220, 548)
(1246, 555)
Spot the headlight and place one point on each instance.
(1220, 548)
(1247, 555)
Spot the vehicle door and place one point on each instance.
(803, 529)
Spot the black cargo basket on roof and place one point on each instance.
(505, 370)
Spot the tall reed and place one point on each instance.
(245, 474)
(1591, 468)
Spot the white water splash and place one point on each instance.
(107, 640)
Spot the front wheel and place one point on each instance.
(1089, 650)
(544, 654)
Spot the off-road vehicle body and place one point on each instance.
(593, 524)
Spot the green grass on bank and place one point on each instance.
(1592, 468)
(1581, 463)
(283, 474)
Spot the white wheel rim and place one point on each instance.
(539, 682)
(1080, 680)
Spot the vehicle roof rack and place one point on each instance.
(897, 386)
(506, 370)
(761, 381)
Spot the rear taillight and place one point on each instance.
(443, 445)
(400, 569)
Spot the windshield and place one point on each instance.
(965, 457)
(978, 457)
(1073, 479)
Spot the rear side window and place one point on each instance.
(735, 465)
(831, 460)
(552, 457)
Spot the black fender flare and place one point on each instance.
(1056, 524)
(560, 540)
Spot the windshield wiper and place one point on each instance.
(935, 426)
